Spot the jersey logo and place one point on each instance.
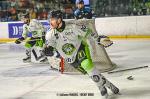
(68, 48)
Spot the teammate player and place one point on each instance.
(38, 36)
(71, 42)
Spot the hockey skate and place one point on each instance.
(112, 87)
(45, 60)
(104, 92)
(27, 60)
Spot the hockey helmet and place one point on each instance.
(33, 26)
(26, 15)
(55, 14)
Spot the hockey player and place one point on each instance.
(71, 42)
(38, 36)
(82, 11)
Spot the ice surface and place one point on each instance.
(20, 80)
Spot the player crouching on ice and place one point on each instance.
(71, 42)
(37, 39)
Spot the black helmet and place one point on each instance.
(80, 2)
(26, 15)
(55, 14)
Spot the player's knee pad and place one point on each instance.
(100, 80)
(87, 65)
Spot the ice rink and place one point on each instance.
(20, 80)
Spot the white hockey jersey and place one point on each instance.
(66, 42)
(35, 28)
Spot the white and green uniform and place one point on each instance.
(26, 30)
(37, 32)
(72, 45)
(36, 29)
(68, 41)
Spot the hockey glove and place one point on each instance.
(104, 41)
(49, 51)
(19, 40)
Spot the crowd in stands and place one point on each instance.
(12, 10)
(111, 8)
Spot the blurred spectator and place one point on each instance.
(39, 6)
(32, 14)
(4, 5)
(143, 9)
(23, 3)
(13, 14)
(0, 15)
(147, 4)
(135, 11)
(67, 1)
(86, 2)
(68, 9)
(43, 15)
(82, 11)
(20, 14)
(11, 10)
(12, 2)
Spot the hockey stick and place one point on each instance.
(27, 39)
(35, 55)
(127, 69)
(13, 41)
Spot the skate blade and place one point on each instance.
(118, 93)
(105, 96)
(113, 96)
(27, 61)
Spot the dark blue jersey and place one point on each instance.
(85, 12)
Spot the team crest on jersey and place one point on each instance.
(68, 48)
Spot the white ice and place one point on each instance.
(20, 80)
